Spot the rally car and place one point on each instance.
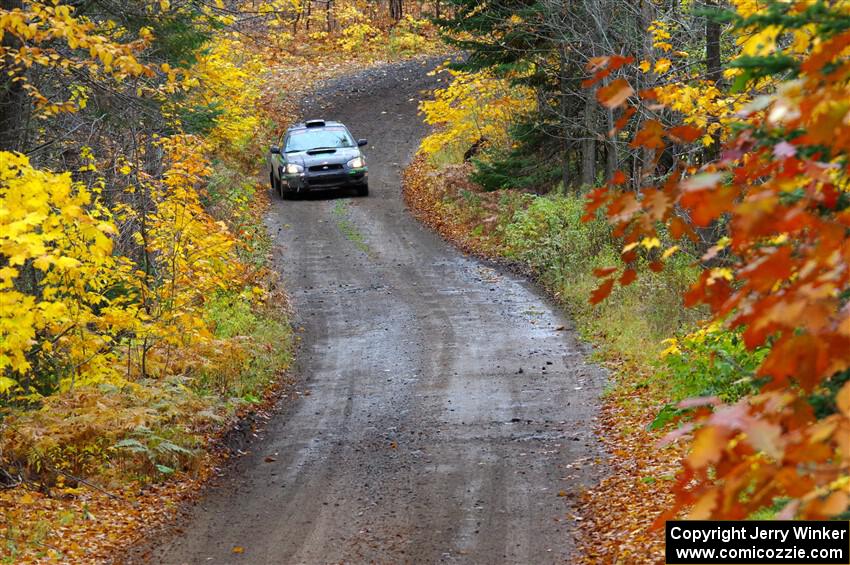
(317, 155)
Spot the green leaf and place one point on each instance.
(132, 444)
(172, 447)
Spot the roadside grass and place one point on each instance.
(348, 229)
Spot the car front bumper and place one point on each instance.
(315, 180)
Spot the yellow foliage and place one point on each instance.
(226, 77)
(474, 106)
(71, 308)
(357, 35)
(410, 36)
(43, 28)
(63, 296)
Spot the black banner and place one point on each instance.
(694, 542)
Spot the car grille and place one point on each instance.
(328, 167)
(319, 180)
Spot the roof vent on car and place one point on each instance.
(314, 123)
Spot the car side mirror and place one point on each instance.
(361, 142)
(275, 149)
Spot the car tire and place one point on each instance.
(363, 190)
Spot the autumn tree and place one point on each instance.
(780, 274)
(546, 45)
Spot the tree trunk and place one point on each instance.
(563, 76)
(646, 168)
(309, 13)
(396, 10)
(612, 160)
(13, 98)
(712, 47)
(714, 68)
(329, 14)
(714, 72)
(588, 141)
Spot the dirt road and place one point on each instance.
(446, 410)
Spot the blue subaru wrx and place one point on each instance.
(317, 155)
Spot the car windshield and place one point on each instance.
(307, 139)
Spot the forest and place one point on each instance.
(672, 173)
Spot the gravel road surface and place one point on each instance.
(447, 406)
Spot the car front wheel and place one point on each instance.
(363, 190)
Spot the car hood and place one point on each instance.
(339, 155)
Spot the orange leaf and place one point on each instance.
(707, 446)
(615, 94)
(842, 400)
(704, 506)
(650, 136)
(708, 204)
(678, 228)
(802, 356)
(835, 504)
(656, 203)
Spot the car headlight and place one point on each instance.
(293, 169)
(356, 163)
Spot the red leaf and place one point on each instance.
(603, 271)
(624, 119)
(595, 200)
(619, 178)
(688, 134)
(602, 292)
(629, 256)
(628, 277)
(679, 228)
